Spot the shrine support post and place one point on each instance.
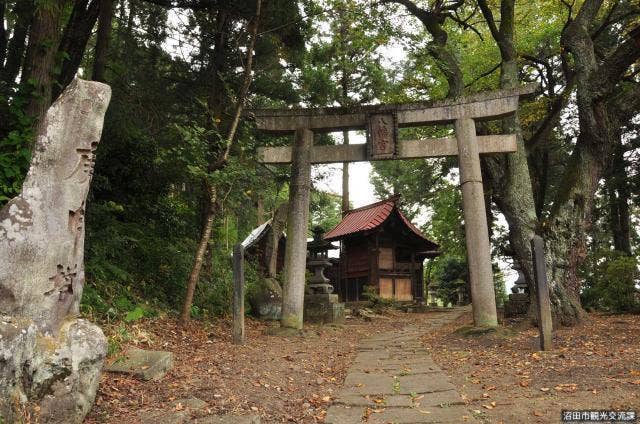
(297, 225)
(545, 323)
(238, 294)
(475, 225)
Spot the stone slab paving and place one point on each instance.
(394, 380)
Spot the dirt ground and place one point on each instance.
(294, 379)
(594, 366)
(282, 379)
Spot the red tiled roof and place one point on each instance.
(362, 219)
(369, 217)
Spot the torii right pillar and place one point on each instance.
(475, 226)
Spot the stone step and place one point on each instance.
(385, 384)
(145, 364)
(340, 414)
(446, 398)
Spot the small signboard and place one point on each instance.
(382, 134)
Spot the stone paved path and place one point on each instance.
(394, 380)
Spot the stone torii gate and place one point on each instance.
(381, 123)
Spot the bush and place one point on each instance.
(375, 301)
(133, 266)
(611, 280)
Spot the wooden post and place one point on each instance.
(238, 294)
(545, 324)
(475, 223)
(297, 224)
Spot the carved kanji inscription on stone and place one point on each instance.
(83, 171)
(63, 282)
(76, 224)
(382, 135)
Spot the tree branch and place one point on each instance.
(605, 21)
(627, 103)
(74, 40)
(488, 16)
(24, 11)
(242, 95)
(588, 12)
(484, 74)
(552, 117)
(464, 23)
(617, 63)
(446, 61)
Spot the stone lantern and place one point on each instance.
(433, 293)
(461, 291)
(318, 260)
(518, 303)
(320, 304)
(520, 286)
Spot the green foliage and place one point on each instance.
(117, 339)
(129, 261)
(324, 210)
(451, 273)
(343, 63)
(145, 209)
(375, 301)
(15, 152)
(611, 283)
(135, 314)
(499, 286)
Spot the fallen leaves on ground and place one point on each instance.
(594, 366)
(282, 379)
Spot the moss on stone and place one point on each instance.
(482, 331)
(291, 321)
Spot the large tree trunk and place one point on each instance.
(37, 72)
(74, 40)
(514, 192)
(103, 39)
(508, 174)
(618, 194)
(565, 234)
(15, 47)
(570, 218)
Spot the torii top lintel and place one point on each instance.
(484, 106)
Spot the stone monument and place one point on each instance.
(50, 360)
(320, 304)
(518, 303)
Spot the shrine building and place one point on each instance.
(383, 249)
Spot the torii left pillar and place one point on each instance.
(297, 226)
